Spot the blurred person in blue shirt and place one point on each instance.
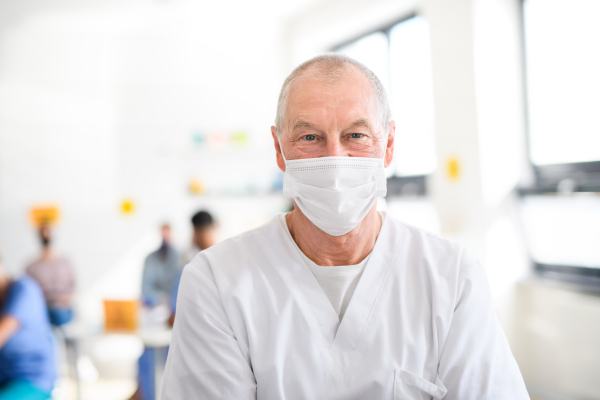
(161, 268)
(27, 363)
(204, 236)
(160, 281)
(56, 278)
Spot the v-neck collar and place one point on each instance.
(342, 338)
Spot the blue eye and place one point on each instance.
(309, 137)
(356, 135)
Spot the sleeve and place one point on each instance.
(149, 293)
(19, 300)
(476, 362)
(174, 291)
(205, 360)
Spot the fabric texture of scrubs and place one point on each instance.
(29, 354)
(254, 323)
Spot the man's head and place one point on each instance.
(45, 235)
(333, 105)
(165, 233)
(204, 230)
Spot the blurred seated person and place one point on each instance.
(161, 268)
(27, 365)
(56, 278)
(204, 236)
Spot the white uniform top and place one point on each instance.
(338, 282)
(253, 323)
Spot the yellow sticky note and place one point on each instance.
(127, 206)
(453, 168)
(196, 187)
(42, 215)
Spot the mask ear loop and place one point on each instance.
(281, 150)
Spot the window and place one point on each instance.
(400, 56)
(562, 39)
(561, 211)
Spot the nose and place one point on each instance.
(334, 148)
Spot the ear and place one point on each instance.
(276, 142)
(389, 152)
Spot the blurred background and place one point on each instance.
(117, 117)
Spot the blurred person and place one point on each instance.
(203, 237)
(27, 363)
(336, 300)
(56, 277)
(161, 268)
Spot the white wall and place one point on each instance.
(100, 102)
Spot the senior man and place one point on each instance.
(336, 300)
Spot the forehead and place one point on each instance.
(349, 94)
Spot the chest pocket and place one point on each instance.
(408, 386)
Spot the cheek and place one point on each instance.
(366, 148)
(303, 149)
(308, 148)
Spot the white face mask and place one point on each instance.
(335, 193)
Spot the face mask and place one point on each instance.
(335, 193)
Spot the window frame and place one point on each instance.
(397, 186)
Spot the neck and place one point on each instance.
(327, 250)
(46, 253)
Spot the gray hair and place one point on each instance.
(332, 66)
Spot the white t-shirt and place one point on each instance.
(338, 282)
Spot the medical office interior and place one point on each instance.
(120, 117)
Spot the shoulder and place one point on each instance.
(25, 284)
(238, 254)
(151, 257)
(32, 266)
(433, 251)
(24, 289)
(440, 268)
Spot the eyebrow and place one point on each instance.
(359, 122)
(362, 122)
(302, 124)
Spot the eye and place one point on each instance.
(309, 137)
(356, 135)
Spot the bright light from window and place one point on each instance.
(563, 80)
(412, 97)
(371, 50)
(563, 230)
(403, 64)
